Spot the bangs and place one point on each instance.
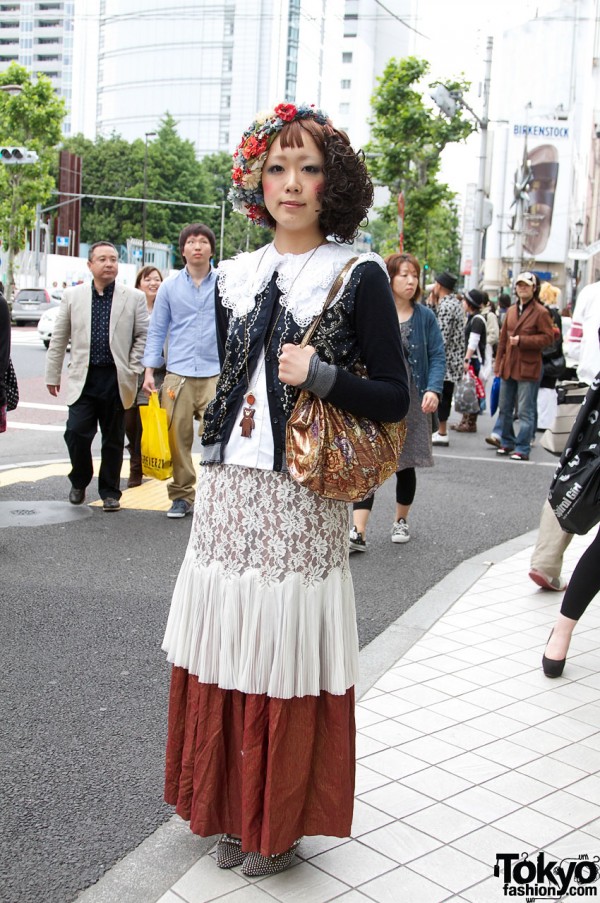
(291, 134)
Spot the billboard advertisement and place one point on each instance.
(548, 146)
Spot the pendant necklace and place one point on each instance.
(247, 422)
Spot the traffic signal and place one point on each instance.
(17, 155)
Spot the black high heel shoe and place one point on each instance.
(553, 667)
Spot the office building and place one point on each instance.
(373, 33)
(39, 35)
(211, 64)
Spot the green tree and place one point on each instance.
(113, 166)
(404, 154)
(110, 166)
(239, 233)
(31, 118)
(174, 174)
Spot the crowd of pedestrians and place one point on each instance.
(261, 633)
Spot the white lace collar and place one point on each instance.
(303, 291)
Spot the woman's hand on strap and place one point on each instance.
(430, 403)
(293, 364)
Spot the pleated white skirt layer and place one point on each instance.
(264, 601)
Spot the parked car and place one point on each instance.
(29, 304)
(46, 325)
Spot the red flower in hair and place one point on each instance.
(254, 147)
(286, 111)
(255, 212)
(237, 174)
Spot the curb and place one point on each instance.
(145, 874)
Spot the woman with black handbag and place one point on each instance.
(575, 498)
(583, 586)
(262, 627)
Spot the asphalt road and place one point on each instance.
(83, 608)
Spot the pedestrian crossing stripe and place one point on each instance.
(152, 495)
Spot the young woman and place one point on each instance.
(262, 629)
(424, 349)
(148, 280)
(583, 587)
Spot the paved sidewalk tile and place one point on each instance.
(465, 751)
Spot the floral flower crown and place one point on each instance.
(249, 157)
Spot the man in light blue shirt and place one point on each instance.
(184, 312)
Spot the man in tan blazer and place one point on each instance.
(107, 325)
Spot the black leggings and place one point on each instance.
(585, 582)
(445, 406)
(406, 487)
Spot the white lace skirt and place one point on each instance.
(264, 601)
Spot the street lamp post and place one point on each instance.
(13, 90)
(578, 231)
(401, 211)
(146, 136)
(448, 102)
(478, 229)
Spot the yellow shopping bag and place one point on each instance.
(156, 454)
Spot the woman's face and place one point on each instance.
(405, 282)
(293, 180)
(150, 283)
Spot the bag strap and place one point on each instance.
(337, 284)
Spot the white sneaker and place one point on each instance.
(357, 543)
(438, 439)
(400, 531)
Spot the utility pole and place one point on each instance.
(448, 101)
(222, 229)
(517, 264)
(147, 135)
(578, 230)
(478, 228)
(523, 178)
(38, 230)
(401, 210)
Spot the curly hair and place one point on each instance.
(393, 264)
(348, 192)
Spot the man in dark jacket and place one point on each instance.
(451, 320)
(526, 330)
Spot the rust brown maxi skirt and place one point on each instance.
(262, 637)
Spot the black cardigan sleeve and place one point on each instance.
(385, 394)
(4, 346)
(221, 320)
